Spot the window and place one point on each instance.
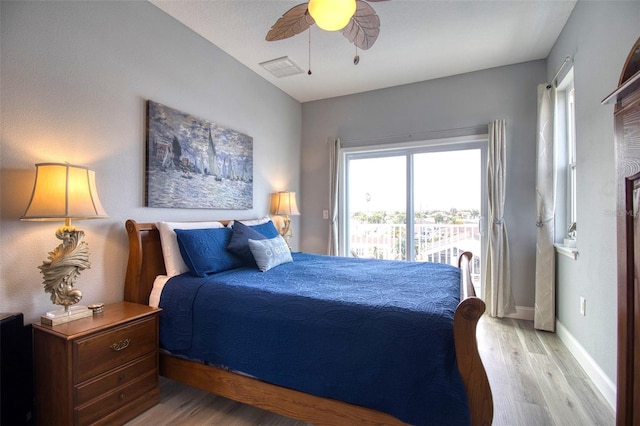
(567, 162)
(571, 151)
(422, 202)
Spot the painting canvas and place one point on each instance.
(194, 163)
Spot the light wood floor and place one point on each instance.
(534, 379)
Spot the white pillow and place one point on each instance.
(270, 253)
(173, 262)
(251, 222)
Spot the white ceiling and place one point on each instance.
(419, 40)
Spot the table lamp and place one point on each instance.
(62, 192)
(284, 204)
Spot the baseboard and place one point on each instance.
(606, 387)
(522, 313)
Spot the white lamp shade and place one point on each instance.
(64, 191)
(284, 204)
(332, 15)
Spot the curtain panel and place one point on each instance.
(334, 179)
(496, 286)
(545, 286)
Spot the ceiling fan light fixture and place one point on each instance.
(332, 15)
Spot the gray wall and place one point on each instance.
(461, 101)
(598, 36)
(74, 80)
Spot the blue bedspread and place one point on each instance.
(368, 332)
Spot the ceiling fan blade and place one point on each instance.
(364, 26)
(294, 21)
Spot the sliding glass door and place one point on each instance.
(419, 203)
(377, 188)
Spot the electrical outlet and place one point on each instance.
(325, 214)
(583, 306)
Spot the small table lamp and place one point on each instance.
(64, 192)
(284, 204)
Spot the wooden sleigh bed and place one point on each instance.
(146, 261)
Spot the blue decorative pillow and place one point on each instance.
(239, 243)
(205, 252)
(270, 253)
(267, 229)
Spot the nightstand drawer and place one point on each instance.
(90, 413)
(113, 348)
(93, 389)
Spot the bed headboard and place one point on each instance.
(145, 262)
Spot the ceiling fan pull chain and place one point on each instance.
(309, 72)
(356, 59)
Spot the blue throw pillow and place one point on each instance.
(270, 253)
(205, 252)
(267, 229)
(239, 243)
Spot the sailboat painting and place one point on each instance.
(194, 163)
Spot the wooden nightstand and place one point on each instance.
(97, 370)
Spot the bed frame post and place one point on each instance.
(145, 261)
(472, 370)
(134, 264)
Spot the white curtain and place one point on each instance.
(496, 286)
(334, 175)
(545, 285)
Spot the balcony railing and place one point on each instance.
(441, 243)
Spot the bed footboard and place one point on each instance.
(472, 370)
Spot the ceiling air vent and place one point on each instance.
(282, 67)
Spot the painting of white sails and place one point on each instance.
(194, 163)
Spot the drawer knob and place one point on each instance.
(122, 344)
(121, 377)
(122, 397)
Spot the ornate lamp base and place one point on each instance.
(60, 272)
(285, 232)
(60, 316)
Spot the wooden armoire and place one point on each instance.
(627, 140)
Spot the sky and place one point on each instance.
(443, 180)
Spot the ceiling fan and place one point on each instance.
(360, 24)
